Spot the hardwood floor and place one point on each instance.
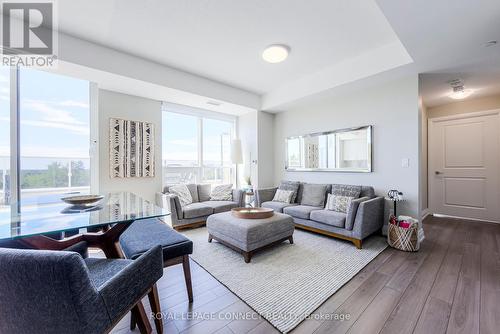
(452, 285)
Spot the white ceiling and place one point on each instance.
(223, 40)
(446, 40)
(332, 42)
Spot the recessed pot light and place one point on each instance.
(275, 53)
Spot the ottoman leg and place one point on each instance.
(209, 238)
(291, 239)
(247, 256)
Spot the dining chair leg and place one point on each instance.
(142, 318)
(187, 277)
(133, 322)
(154, 301)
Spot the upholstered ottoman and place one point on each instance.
(249, 235)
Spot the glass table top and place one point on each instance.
(35, 218)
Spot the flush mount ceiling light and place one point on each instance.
(458, 90)
(275, 53)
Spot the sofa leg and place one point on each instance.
(187, 277)
(357, 243)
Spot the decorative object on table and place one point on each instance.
(395, 196)
(82, 200)
(236, 155)
(403, 233)
(131, 148)
(252, 213)
(249, 197)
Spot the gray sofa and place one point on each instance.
(364, 217)
(196, 213)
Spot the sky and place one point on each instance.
(180, 140)
(54, 113)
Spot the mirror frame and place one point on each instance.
(369, 169)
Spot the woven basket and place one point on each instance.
(405, 239)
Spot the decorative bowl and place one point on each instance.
(82, 199)
(252, 213)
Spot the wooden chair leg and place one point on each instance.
(154, 301)
(142, 318)
(133, 322)
(187, 277)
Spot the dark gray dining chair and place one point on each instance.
(145, 234)
(61, 292)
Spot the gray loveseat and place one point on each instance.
(196, 213)
(363, 218)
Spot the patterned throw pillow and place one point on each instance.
(290, 185)
(284, 196)
(182, 191)
(338, 203)
(222, 193)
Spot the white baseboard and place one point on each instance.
(425, 213)
(465, 218)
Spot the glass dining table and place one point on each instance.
(35, 224)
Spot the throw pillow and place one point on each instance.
(290, 185)
(182, 191)
(313, 194)
(284, 196)
(222, 193)
(346, 190)
(338, 203)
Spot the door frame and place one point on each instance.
(430, 171)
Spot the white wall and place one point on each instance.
(392, 109)
(128, 107)
(265, 129)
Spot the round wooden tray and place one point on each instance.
(252, 213)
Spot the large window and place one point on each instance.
(196, 149)
(53, 119)
(4, 136)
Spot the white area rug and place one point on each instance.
(286, 283)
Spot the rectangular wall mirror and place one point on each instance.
(346, 150)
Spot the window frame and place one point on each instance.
(200, 115)
(15, 140)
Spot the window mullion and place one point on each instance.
(15, 152)
(200, 149)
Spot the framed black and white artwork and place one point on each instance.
(131, 146)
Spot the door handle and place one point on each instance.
(438, 172)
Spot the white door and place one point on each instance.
(464, 173)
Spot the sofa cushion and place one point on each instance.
(195, 210)
(193, 190)
(328, 217)
(346, 190)
(314, 194)
(290, 185)
(300, 211)
(276, 206)
(221, 206)
(204, 191)
(367, 191)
